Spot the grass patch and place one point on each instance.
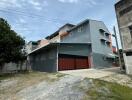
(108, 91)
(11, 75)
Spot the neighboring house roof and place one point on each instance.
(33, 42)
(52, 45)
(57, 32)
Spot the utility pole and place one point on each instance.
(115, 35)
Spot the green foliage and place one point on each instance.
(11, 44)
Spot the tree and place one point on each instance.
(11, 44)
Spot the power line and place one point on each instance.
(47, 20)
(19, 10)
(27, 15)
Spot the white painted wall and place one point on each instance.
(128, 63)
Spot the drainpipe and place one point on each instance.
(115, 35)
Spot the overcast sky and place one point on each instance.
(35, 19)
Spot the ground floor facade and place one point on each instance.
(59, 57)
(128, 62)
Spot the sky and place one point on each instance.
(35, 19)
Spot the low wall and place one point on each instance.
(13, 67)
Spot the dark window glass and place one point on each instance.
(124, 11)
(128, 53)
(130, 28)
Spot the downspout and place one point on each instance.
(57, 69)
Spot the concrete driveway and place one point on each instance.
(93, 73)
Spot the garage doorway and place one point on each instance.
(72, 62)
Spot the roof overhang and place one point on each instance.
(111, 56)
(53, 45)
(127, 50)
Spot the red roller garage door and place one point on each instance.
(66, 64)
(70, 62)
(81, 63)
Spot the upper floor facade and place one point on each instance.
(62, 31)
(88, 31)
(91, 31)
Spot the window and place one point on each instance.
(124, 11)
(80, 29)
(128, 53)
(107, 35)
(104, 58)
(70, 34)
(108, 44)
(101, 31)
(130, 28)
(103, 42)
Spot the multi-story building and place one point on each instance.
(56, 37)
(85, 45)
(42, 43)
(124, 17)
(30, 46)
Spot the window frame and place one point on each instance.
(130, 30)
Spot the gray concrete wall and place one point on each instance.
(97, 46)
(100, 61)
(44, 61)
(89, 33)
(99, 49)
(75, 49)
(80, 34)
(11, 67)
(124, 21)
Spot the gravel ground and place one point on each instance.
(66, 87)
(45, 86)
(60, 90)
